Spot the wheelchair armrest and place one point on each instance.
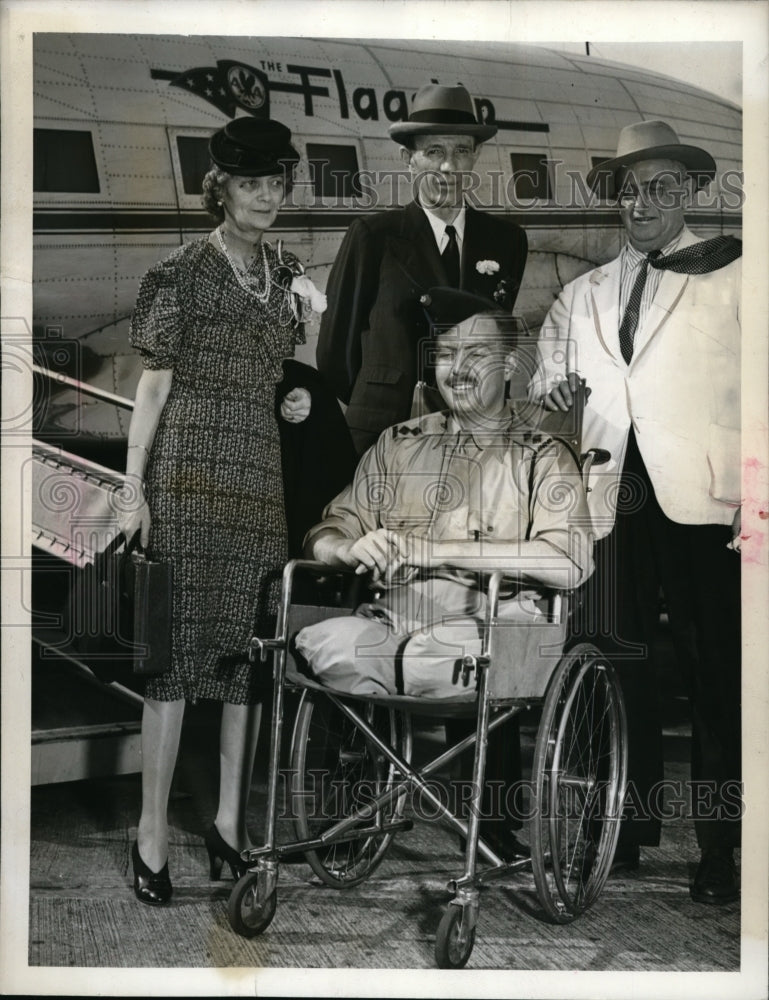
(346, 580)
(496, 573)
(553, 595)
(313, 566)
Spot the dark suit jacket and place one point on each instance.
(369, 343)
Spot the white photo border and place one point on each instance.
(503, 20)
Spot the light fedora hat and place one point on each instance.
(437, 110)
(654, 140)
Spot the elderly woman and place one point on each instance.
(214, 321)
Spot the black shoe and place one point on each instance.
(716, 881)
(502, 841)
(627, 858)
(220, 851)
(153, 888)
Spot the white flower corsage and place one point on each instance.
(289, 275)
(487, 266)
(303, 286)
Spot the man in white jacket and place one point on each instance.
(656, 334)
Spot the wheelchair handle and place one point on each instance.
(596, 456)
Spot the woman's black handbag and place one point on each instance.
(120, 609)
(153, 597)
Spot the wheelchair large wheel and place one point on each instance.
(579, 775)
(337, 769)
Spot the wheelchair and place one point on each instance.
(351, 774)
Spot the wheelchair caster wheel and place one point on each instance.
(248, 914)
(453, 946)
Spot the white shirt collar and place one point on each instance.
(439, 226)
(634, 257)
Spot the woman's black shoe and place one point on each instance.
(153, 888)
(220, 851)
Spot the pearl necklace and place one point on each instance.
(247, 283)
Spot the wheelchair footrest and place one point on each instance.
(483, 875)
(326, 840)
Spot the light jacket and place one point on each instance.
(681, 390)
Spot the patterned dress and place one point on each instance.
(213, 478)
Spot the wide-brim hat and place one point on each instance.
(438, 110)
(652, 140)
(253, 147)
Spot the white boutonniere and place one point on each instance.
(487, 266)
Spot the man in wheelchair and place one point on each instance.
(435, 504)
(456, 520)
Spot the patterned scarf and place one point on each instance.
(701, 258)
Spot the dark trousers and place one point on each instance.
(646, 555)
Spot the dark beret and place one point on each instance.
(445, 307)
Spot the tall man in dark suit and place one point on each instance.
(368, 347)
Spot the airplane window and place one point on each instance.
(63, 160)
(194, 160)
(602, 187)
(532, 176)
(334, 169)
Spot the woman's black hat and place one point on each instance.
(253, 147)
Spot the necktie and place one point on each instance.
(450, 257)
(699, 258)
(629, 322)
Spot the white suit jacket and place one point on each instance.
(681, 390)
